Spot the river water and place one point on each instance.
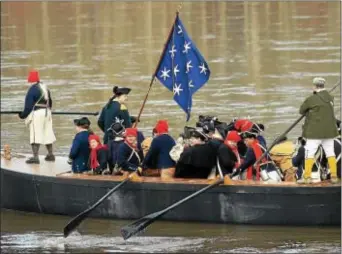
(262, 55)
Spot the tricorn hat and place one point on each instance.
(199, 133)
(134, 119)
(82, 121)
(117, 128)
(121, 90)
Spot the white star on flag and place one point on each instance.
(190, 84)
(173, 51)
(188, 66)
(180, 29)
(175, 70)
(186, 47)
(203, 69)
(165, 73)
(177, 89)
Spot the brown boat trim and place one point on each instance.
(60, 169)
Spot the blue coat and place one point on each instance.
(33, 95)
(140, 139)
(125, 162)
(108, 115)
(79, 152)
(113, 152)
(262, 141)
(158, 156)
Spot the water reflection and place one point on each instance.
(263, 56)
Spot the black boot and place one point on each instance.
(49, 156)
(35, 158)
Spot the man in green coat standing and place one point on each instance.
(319, 129)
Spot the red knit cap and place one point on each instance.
(243, 125)
(33, 77)
(94, 137)
(162, 127)
(131, 132)
(233, 136)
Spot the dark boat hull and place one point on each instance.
(267, 205)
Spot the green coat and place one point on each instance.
(320, 121)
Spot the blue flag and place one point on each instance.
(183, 70)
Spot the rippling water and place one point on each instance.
(262, 55)
(31, 233)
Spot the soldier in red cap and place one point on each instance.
(129, 155)
(37, 115)
(98, 155)
(158, 156)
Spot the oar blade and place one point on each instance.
(139, 225)
(75, 222)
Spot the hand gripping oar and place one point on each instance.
(54, 113)
(276, 141)
(80, 217)
(137, 226)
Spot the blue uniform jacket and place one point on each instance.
(158, 156)
(262, 141)
(250, 159)
(140, 138)
(108, 115)
(79, 152)
(125, 162)
(33, 95)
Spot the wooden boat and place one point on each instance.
(46, 188)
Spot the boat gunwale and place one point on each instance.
(179, 187)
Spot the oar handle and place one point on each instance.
(55, 113)
(288, 130)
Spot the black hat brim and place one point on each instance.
(82, 121)
(123, 90)
(134, 119)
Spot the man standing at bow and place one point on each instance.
(319, 129)
(37, 115)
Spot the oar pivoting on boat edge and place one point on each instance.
(55, 113)
(276, 141)
(139, 225)
(74, 222)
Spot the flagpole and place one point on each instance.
(155, 72)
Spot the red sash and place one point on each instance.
(257, 153)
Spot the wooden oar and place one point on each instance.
(276, 141)
(55, 113)
(137, 226)
(71, 226)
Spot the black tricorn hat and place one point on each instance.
(82, 121)
(134, 119)
(199, 133)
(117, 128)
(121, 90)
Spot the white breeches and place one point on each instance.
(313, 144)
(41, 131)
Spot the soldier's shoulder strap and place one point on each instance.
(123, 107)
